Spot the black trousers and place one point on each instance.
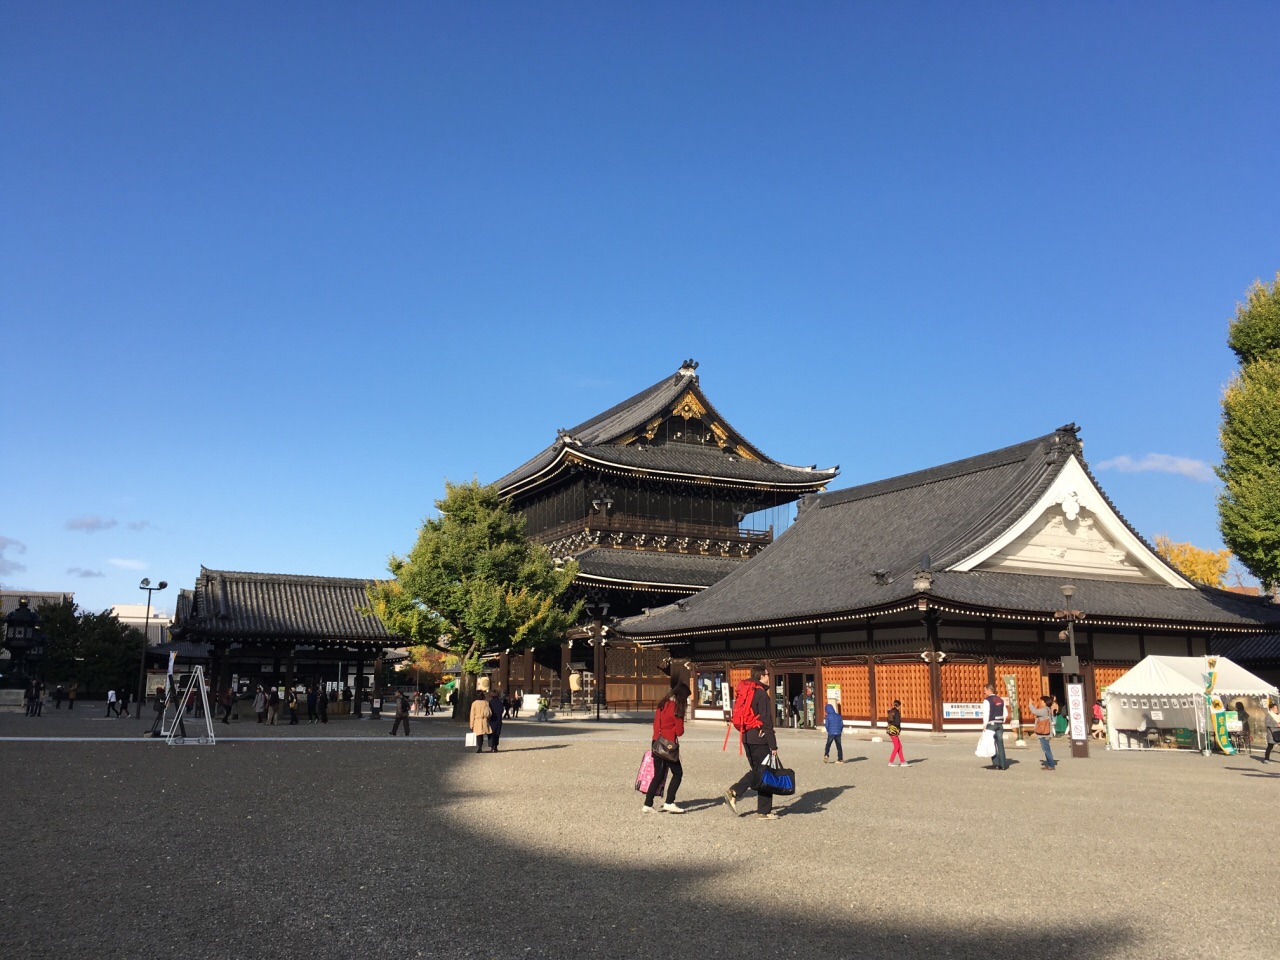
(495, 736)
(400, 718)
(675, 773)
(755, 756)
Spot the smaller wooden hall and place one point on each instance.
(927, 586)
(281, 630)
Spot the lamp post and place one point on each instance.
(146, 639)
(597, 612)
(1071, 671)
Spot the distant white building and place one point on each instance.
(135, 615)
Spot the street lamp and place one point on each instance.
(146, 639)
(597, 612)
(1071, 671)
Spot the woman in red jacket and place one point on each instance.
(668, 723)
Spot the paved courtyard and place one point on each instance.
(340, 842)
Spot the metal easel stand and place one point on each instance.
(177, 731)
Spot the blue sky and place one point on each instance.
(269, 273)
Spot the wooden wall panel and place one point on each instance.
(1029, 684)
(908, 682)
(855, 689)
(1104, 676)
(963, 682)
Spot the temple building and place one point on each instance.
(280, 630)
(927, 586)
(656, 499)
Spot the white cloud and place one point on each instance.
(1187, 467)
(140, 525)
(91, 524)
(82, 572)
(128, 564)
(8, 566)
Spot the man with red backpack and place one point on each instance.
(753, 719)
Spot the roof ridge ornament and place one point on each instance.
(687, 368)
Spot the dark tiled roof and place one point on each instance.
(691, 572)
(824, 565)
(1264, 648)
(247, 607)
(9, 598)
(596, 438)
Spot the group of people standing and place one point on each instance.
(486, 716)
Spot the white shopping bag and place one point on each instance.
(986, 744)
(471, 741)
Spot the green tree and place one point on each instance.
(474, 584)
(60, 626)
(112, 652)
(1249, 505)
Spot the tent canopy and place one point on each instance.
(1184, 676)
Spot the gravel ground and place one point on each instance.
(340, 842)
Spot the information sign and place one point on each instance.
(1075, 708)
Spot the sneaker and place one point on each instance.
(646, 809)
(732, 800)
(766, 816)
(825, 758)
(893, 763)
(671, 808)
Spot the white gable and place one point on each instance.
(1072, 531)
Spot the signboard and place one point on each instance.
(1075, 709)
(962, 711)
(1012, 715)
(833, 692)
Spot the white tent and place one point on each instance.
(1163, 699)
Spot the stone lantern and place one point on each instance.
(24, 641)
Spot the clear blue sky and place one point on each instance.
(271, 272)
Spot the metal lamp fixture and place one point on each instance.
(146, 640)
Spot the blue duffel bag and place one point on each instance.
(774, 779)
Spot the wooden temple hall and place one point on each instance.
(927, 586)
(252, 629)
(656, 498)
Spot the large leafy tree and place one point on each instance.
(1249, 505)
(1203, 566)
(94, 650)
(474, 584)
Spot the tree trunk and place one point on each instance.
(466, 690)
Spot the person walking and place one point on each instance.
(1271, 718)
(273, 706)
(402, 714)
(480, 713)
(112, 705)
(495, 721)
(260, 704)
(797, 705)
(225, 701)
(71, 695)
(993, 710)
(753, 717)
(894, 729)
(668, 724)
(322, 704)
(1043, 712)
(834, 724)
(293, 707)
(311, 703)
(1099, 728)
(58, 694)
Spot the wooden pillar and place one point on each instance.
(355, 700)
(527, 684)
(935, 670)
(377, 676)
(504, 671)
(871, 688)
(566, 653)
(819, 694)
(289, 669)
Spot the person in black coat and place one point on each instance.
(495, 721)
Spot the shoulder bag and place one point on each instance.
(1044, 727)
(665, 749)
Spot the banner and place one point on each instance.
(1218, 726)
